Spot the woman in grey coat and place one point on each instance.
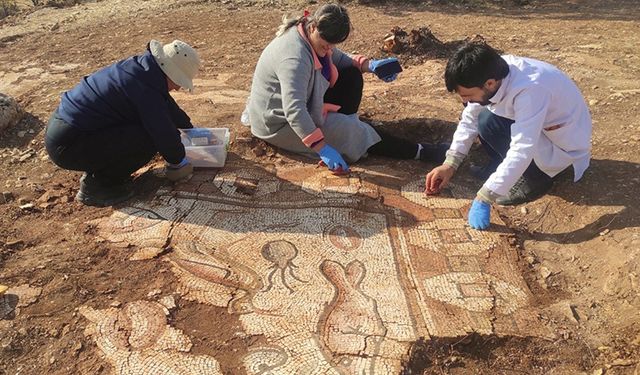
(306, 93)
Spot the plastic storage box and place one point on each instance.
(206, 147)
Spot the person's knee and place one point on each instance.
(353, 75)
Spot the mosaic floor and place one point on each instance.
(339, 274)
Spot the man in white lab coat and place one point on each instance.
(531, 119)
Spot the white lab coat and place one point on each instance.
(537, 96)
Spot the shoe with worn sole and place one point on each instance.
(92, 193)
(526, 190)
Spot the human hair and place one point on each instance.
(331, 20)
(472, 65)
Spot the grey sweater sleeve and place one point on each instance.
(341, 60)
(294, 75)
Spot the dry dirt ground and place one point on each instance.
(577, 247)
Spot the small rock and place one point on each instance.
(7, 195)
(599, 371)
(146, 253)
(593, 102)
(154, 293)
(21, 134)
(77, 348)
(10, 112)
(623, 362)
(27, 206)
(545, 272)
(523, 210)
(115, 304)
(49, 196)
(53, 332)
(25, 157)
(13, 243)
(574, 313)
(259, 151)
(169, 302)
(604, 232)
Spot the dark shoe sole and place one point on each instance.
(88, 200)
(524, 198)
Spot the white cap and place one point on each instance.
(178, 60)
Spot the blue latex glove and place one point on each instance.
(175, 172)
(386, 69)
(479, 215)
(182, 163)
(332, 158)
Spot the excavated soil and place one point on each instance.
(575, 250)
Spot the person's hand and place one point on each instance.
(332, 159)
(438, 179)
(175, 172)
(479, 215)
(386, 69)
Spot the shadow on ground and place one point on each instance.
(608, 183)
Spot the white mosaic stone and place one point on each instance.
(476, 291)
(333, 287)
(243, 183)
(453, 196)
(325, 184)
(137, 340)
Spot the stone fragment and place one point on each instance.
(545, 272)
(146, 253)
(10, 112)
(26, 206)
(27, 294)
(169, 302)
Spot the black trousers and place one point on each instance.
(347, 93)
(111, 155)
(495, 136)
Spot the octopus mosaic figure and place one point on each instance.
(281, 253)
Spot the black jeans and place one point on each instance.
(495, 136)
(347, 93)
(111, 155)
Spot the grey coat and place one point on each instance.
(286, 100)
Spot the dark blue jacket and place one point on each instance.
(131, 92)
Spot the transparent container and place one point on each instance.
(206, 147)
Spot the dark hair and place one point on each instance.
(332, 21)
(472, 65)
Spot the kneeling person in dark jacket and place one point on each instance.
(116, 119)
